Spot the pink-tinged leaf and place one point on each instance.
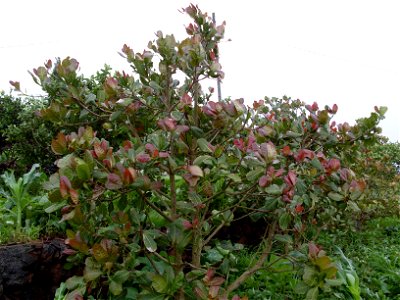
(114, 182)
(69, 251)
(334, 164)
(143, 157)
(291, 178)
(213, 291)
(257, 104)
(303, 154)
(200, 293)
(313, 250)
(163, 154)
(99, 151)
(299, 208)
(239, 143)
(268, 151)
(209, 275)
(236, 297)
(190, 29)
(278, 173)
(108, 163)
(263, 181)
(334, 108)
(74, 196)
(16, 85)
(229, 108)
(129, 175)
(127, 145)
(186, 99)
(48, 64)
(65, 186)
(314, 106)
(187, 225)
(265, 130)
(195, 171)
(286, 151)
(181, 129)
(217, 281)
(213, 57)
(190, 179)
(150, 148)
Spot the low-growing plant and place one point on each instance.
(17, 201)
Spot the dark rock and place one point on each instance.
(32, 271)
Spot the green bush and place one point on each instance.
(24, 138)
(150, 170)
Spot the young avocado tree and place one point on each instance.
(155, 168)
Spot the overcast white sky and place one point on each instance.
(343, 52)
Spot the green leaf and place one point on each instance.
(149, 242)
(115, 115)
(83, 171)
(274, 189)
(74, 282)
(214, 256)
(204, 145)
(255, 174)
(335, 196)
(115, 288)
(124, 102)
(312, 294)
(55, 207)
(204, 159)
(285, 238)
(235, 177)
(91, 274)
(284, 220)
(121, 276)
(159, 283)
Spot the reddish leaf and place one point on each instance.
(286, 151)
(99, 151)
(313, 250)
(113, 182)
(163, 154)
(129, 175)
(186, 224)
(291, 178)
(195, 171)
(192, 180)
(263, 181)
(127, 145)
(74, 196)
(16, 85)
(186, 99)
(143, 157)
(59, 145)
(65, 186)
(299, 208)
(334, 164)
(257, 104)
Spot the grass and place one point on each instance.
(375, 252)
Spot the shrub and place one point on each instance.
(145, 204)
